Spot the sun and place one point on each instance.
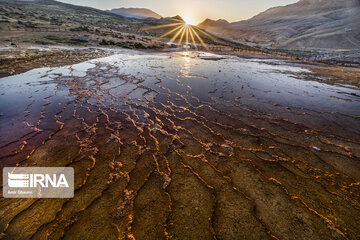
(189, 20)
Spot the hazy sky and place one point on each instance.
(198, 10)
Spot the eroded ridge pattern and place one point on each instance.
(183, 146)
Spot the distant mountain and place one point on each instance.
(330, 24)
(208, 23)
(177, 17)
(138, 13)
(169, 20)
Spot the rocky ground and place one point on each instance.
(184, 146)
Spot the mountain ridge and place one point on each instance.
(138, 13)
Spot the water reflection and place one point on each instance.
(186, 67)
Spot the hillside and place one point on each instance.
(327, 24)
(41, 14)
(49, 22)
(138, 13)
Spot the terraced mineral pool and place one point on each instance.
(183, 146)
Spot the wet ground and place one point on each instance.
(15, 60)
(184, 146)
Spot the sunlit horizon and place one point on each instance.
(194, 12)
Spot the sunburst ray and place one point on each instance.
(175, 36)
(187, 36)
(193, 40)
(200, 39)
(182, 37)
(206, 34)
(161, 26)
(169, 32)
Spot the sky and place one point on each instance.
(194, 10)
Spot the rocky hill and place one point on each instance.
(138, 13)
(328, 24)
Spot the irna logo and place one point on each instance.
(38, 182)
(35, 180)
